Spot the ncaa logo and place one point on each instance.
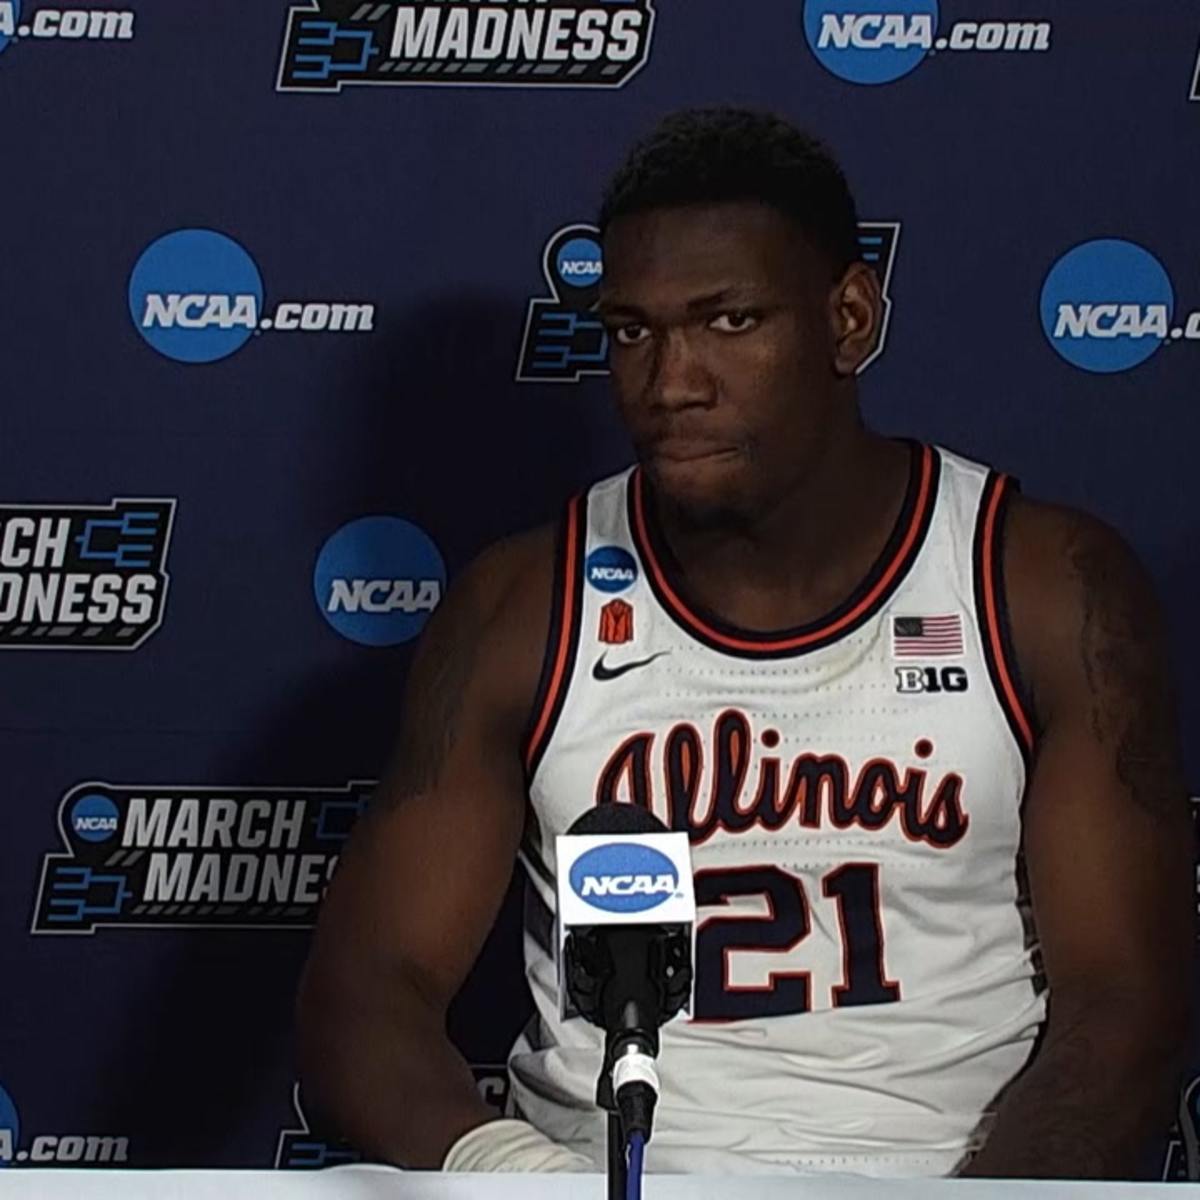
(1106, 306)
(580, 263)
(858, 42)
(94, 818)
(195, 295)
(611, 569)
(8, 27)
(377, 579)
(624, 877)
(10, 1123)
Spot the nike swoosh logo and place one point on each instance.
(601, 672)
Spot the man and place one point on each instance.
(917, 726)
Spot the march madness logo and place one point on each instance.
(564, 340)
(21, 23)
(83, 577)
(462, 43)
(1182, 1159)
(176, 856)
(1108, 305)
(878, 41)
(301, 1148)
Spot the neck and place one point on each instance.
(798, 557)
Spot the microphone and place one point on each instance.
(626, 908)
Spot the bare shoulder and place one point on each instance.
(491, 630)
(1072, 581)
(474, 677)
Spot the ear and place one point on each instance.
(855, 310)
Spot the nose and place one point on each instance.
(679, 378)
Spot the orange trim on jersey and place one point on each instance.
(566, 627)
(888, 574)
(995, 641)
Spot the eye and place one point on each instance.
(630, 335)
(735, 321)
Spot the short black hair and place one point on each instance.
(717, 155)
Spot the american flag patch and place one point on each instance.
(926, 637)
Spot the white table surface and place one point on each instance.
(378, 1183)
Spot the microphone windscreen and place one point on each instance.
(617, 818)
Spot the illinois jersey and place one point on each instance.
(866, 975)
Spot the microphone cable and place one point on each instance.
(636, 1147)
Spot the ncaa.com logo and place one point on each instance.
(377, 580)
(63, 24)
(624, 877)
(48, 1149)
(196, 295)
(1107, 305)
(878, 41)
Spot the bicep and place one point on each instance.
(1109, 881)
(424, 874)
(1107, 833)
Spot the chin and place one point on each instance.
(701, 494)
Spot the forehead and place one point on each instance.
(697, 249)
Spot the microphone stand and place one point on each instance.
(618, 1168)
(627, 981)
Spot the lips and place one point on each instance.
(681, 450)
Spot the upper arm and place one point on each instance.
(422, 878)
(1106, 829)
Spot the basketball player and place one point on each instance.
(917, 726)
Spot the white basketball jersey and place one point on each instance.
(866, 982)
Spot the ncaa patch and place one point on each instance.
(610, 569)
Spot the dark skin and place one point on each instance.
(735, 348)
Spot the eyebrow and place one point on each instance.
(617, 307)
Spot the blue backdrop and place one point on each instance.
(294, 320)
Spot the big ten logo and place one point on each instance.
(872, 42)
(378, 579)
(197, 296)
(1107, 305)
(462, 43)
(564, 340)
(931, 679)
